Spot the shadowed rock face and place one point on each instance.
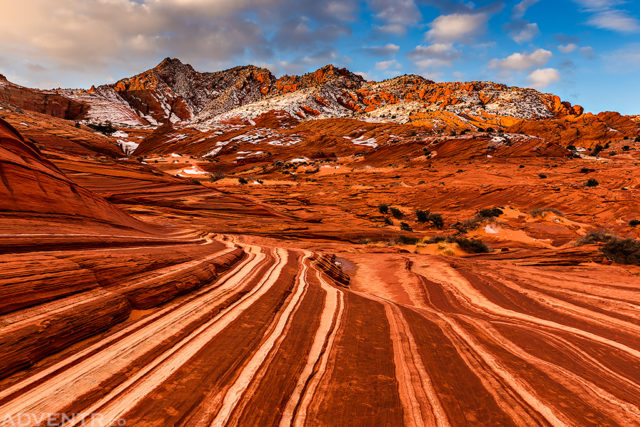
(45, 102)
(272, 270)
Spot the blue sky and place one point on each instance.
(586, 51)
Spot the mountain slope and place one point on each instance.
(175, 92)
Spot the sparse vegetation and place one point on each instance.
(397, 213)
(490, 212)
(436, 220)
(622, 251)
(243, 180)
(474, 246)
(105, 128)
(598, 148)
(592, 182)
(626, 148)
(388, 221)
(540, 212)
(597, 236)
(407, 240)
(587, 170)
(542, 176)
(634, 222)
(405, 227)
(383, 209)
(216, 176)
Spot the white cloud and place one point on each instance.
(521, 8)
(587, 52)
(387, 50)
(522, 61)
(606, 16)
(615, 20)
(456, 27)
(625, 59)
(598, 4)
(396, 14)
(89, 39)
(434, 55)
(386, 65)
(525, 33)
(431, 63)
(543, 77)
(567, 48)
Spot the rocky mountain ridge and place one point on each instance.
(175, 92)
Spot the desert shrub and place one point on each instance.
(437, 221)
(571, 147)
(468, 224)
(542, 176)
(612, 153)
(541, 211)
(388, 221)
(397, 213)
(637, 139)
(475, 246)
(383, 209)
(626, 148)
(426, 216)
(243, 180)
(407, 240)
(490, 212)
(597, 236)
(216, 176)
(634, 222)
(194, 181)
(622, 251)
(105, 128)
(587, 170)
(405, 227)
(598, 148)
(592, 182)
